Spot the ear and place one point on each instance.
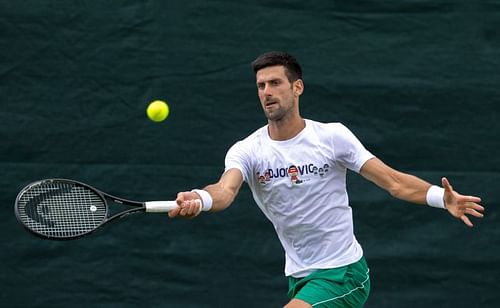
(298, 87)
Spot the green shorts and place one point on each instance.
(346, 286)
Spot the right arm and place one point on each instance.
(223, 194)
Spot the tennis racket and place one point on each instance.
(60, 209)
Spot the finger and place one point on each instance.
(193, 208)
(474, 213)
(180, 198)
(478, 207)
(471, 202)
(185, 208)
(186, 205)
(466, 221)
(173, 213)
(200, 207)
(462, 198)
(446, 184)
(474, 206)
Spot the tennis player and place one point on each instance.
(296, 169)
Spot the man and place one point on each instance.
(310, 210)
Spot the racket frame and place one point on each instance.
(136, 207)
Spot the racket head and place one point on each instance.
(60, 209)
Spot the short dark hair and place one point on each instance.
(292, 68)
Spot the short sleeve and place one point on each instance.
(238, 157)
(348, 150)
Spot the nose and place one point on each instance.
(267, 90)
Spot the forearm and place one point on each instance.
(225, 190)
(409, 188)
(221, 196)
(400, 185)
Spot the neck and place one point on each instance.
(286, 128)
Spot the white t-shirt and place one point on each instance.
(300, 185)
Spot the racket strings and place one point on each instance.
(61, 210)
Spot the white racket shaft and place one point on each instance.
(163, 206)
(160, 206)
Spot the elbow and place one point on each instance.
(395, 184)
(395, 190)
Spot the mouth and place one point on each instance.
(269, 104)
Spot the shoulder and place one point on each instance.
(329, 129)
(335, 134)
(242, 156)
(254, 139)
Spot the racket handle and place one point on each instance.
(163, 206)
(160, 206)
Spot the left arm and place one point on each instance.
(413, 189)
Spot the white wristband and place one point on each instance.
(435, 197)
(206, 199)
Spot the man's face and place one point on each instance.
(277, 95)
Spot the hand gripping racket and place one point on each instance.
(59, 209)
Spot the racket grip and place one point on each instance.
(160, 206)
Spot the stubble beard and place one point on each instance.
(275, 115)
(279, 113)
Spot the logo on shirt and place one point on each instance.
(296, 174)
(293, 173)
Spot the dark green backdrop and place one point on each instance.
(417, 81)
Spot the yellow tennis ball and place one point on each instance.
(157, 111)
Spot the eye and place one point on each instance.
(261, 86)
(275, 82)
